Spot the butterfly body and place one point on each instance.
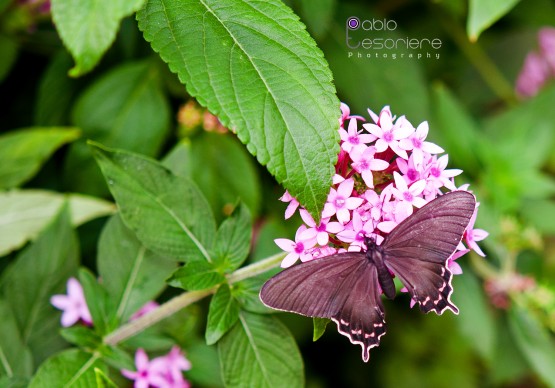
(347, 287)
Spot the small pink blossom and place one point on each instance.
(388, 135)
(340, 202)
(409, 196)
(533, 76)
(73, 304)
(437, 173)
(473, 235)
(352, 138)
(410, 171)
(293, 204)
(364, 163)
(298, 249)
(171, 367)
(418, 146)
(147, 374)
(355, 232)
(453, 266)
(323, 229)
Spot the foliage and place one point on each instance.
(115, 171)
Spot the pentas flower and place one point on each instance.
(73, 305)
(538, 67)
(160, 372)
(382, 176)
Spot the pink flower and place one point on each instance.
(418, 146)
(321, 231)
(298, 248)
(293, 204)
(346, 114)
(340, 202)
(355, 232)
(409, 196)
(353, 138)
(364, 163)
(533, 76)
(437, 173)
(73, 304)
(388, 134)
(147, 374)
(472, 235)
(161, 372)
(171, 367)
(453, 266)
(410, 171)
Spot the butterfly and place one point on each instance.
(347, 287)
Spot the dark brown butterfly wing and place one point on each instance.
(343, 287)
(417, 249)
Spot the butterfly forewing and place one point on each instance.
(343, 287)
(417, 250)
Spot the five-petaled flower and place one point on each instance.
(73, 305)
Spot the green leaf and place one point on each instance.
(247, 293)
(221, 167)
(254, 65)
(222, 314)
(70, 368)
(319, 327)
(196, 275)
(233, 240)
(23, 152)
(24, 213)
(534, 342)
(39, 272)
(168, 213)
(475, 312)
(125, 108)
(483, 13)
(100, 305)
(8, 53)
(131, 274)
(82, 336)
(103, 381)
(56, 92)
(16, 359)
(89, 27)
(117, 358)
(260, 352)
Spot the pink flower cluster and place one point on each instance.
(539, 67)
(384, 171)
(161, 372)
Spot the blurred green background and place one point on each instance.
(504, 335)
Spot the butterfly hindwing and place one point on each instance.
(343, 287)
(417, 250)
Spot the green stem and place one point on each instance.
(181, 301)
(482, 267)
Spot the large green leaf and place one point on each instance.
(24, 213)
(89, 27)
(8, 53)
(197, 275)
(483, 13)
(168, 213)
(260, 352)
(39, 272)
(253, 65)
(71, 368)
(534, 342)
(124, 108)
(23, 152)
(132, 274)
(16, 359)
